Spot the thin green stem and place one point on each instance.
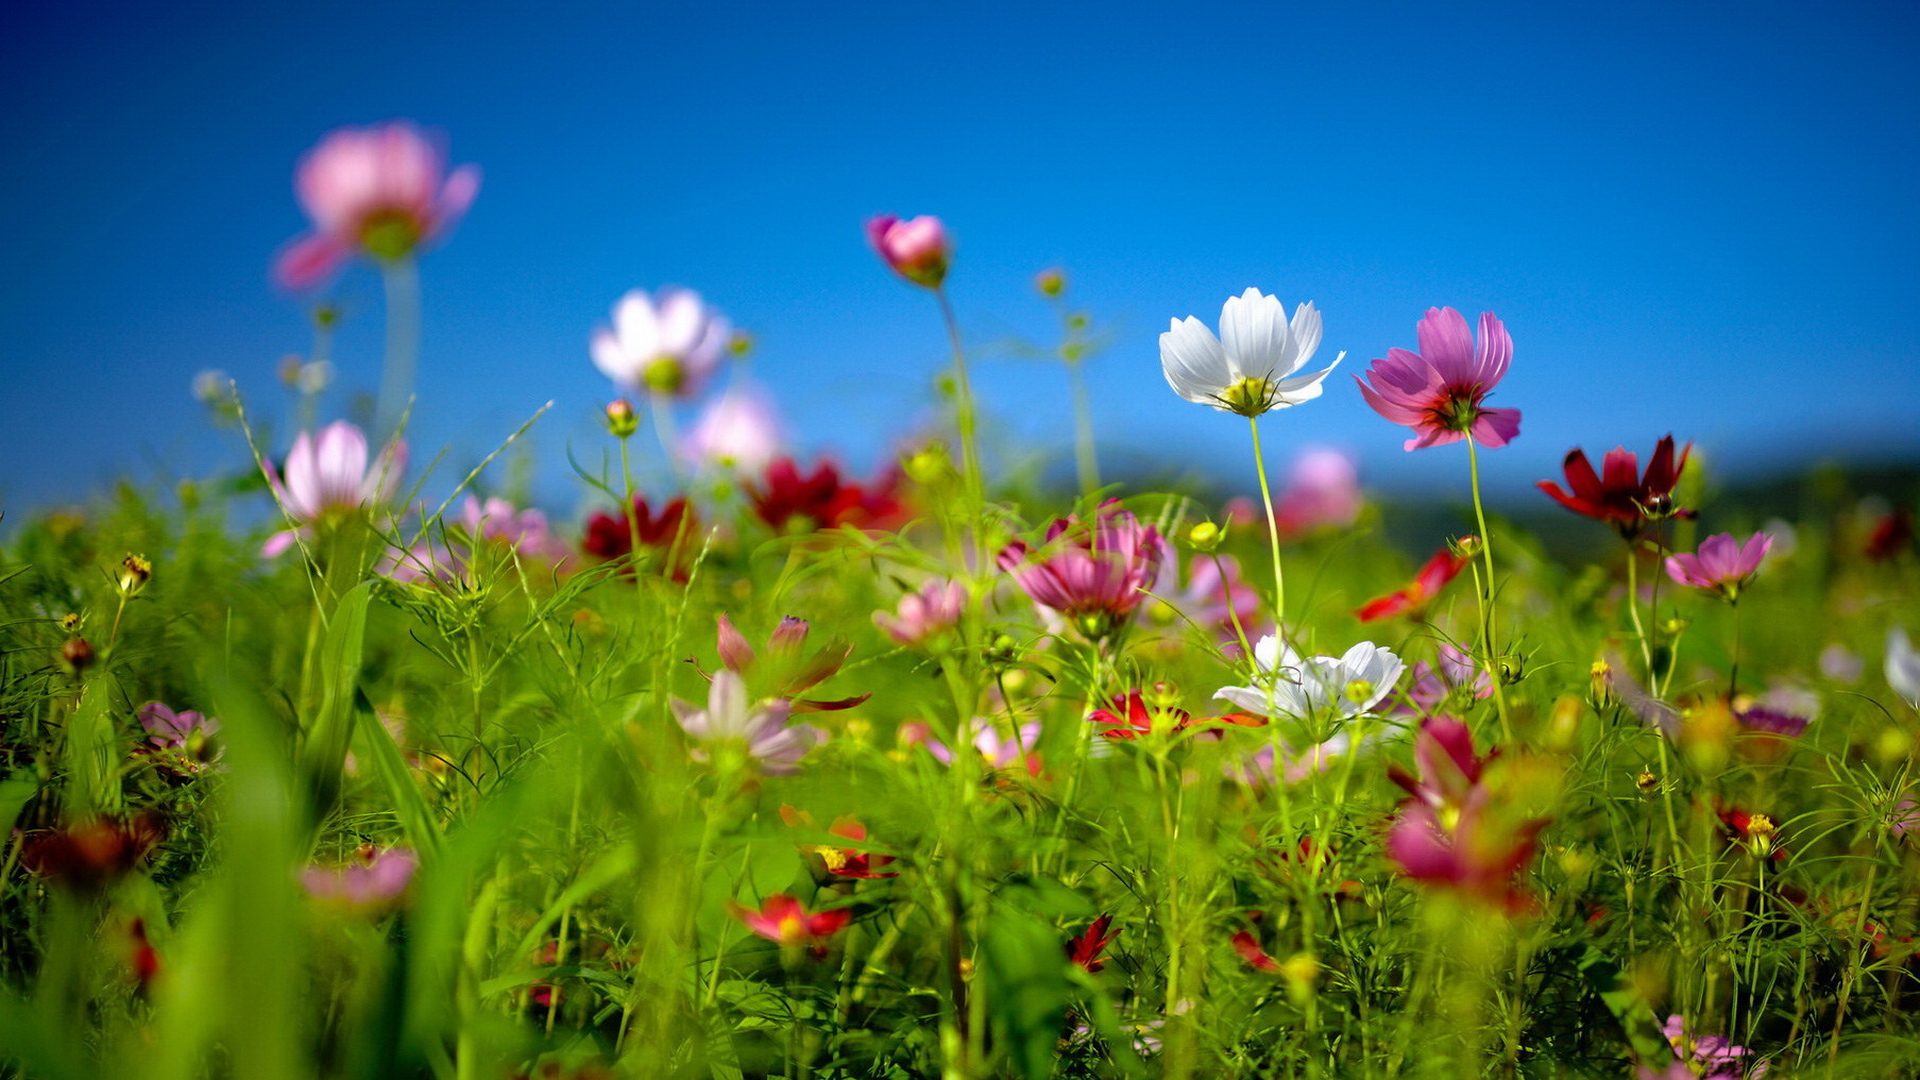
(1487, 622)
(965, 418)
(664, 429)
(1733, 675)
(1633, 606)
(402, 278)
(1085, 459)
(1273, 533)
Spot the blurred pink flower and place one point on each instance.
(1095, 576)
(376, 880)
(169, 730)
(917, 249)
(785, 920)
(922, 615)
(493, 522)
(1902, 666)
(998, 751)
(1722, 564)
(1434, 684)
(739, 430)
(1711, 1057)
(377, 190)
(329, 474)
(730, 718)
(1215, 594)
(1438, 391)
(670, 343)
(1322, 492)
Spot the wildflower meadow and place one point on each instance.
(340, 762)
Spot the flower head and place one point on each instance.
(1320, 686)
(791, 502)
(1620, 494)
(732, 723)
(1710, 1057)
(169, 730)
(1085, 949)
(1438, 391)
(924, 615)
(854, 862)
(377, 879)
(610, 536)
(375, 190)
(1433, 685)
(1322, 493)
(787, 922)
(669, 343)
(330, 475)
(917, 248)
(996, 751)
(1412, 601)
(739, 430)
(1722, 565)
(494, 521)
(1902, 666)
(1094, 576)
(1246, 369)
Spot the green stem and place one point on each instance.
(965, 419)
(1733, 676)
(1487, 624)
(1085, 458)
(1273, 533)
(664, 429)
(1633, 607)
(402, 277)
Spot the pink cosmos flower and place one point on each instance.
(730, 721)
(740, 430)
(1438, 391)
(330, 475)
(494, 521)
(1722, 565)
(997, 751)
(1215, 594)
(1322, 492)
(376, 190)
(1096, 576)
(169, 730)
(1711, 1057)
(379, 878)
(1434, 684)
(917, 249)
(669, 343)
(922, 615)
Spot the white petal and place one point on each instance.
(613, 361)
(1903, 666)
(682, 321)
(637, 325)
(1306, 336)
(1193, 362)
(1247, 698)
(1253, 330)
(1304, 387)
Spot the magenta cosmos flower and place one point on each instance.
(1438, 391)
(1095, 577)
(377, 879)
(328, 475)
(376, 190)
(1722, 565)
(917, 249)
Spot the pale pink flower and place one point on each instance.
(922, 615)
(376, 190)
(1722, 565)
(1902, 666)
(670, 343)
(917, 249)
(739, 430)
(494, 521)
(1094, 576)
(731, 720)
(329, 474)
(1438, 391)
(377, 880)
(1322, 492)
(995, 749)
(169, 730)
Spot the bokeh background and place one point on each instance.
(1698, 218)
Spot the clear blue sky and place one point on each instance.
(1692, 217)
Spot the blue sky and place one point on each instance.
(1698, 218)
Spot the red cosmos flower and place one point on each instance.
(610, 536)
(89, 856)
(1758, 833)
(1085, 950)
(793, 503)
(841, 862)
(1131, 718)
(1891, 535)
(1621, 495)
(1412, 601)
(784, 920)
(1450, 833)
(1249, 949)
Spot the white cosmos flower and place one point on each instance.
(670, 343)
(1246, 369)
(1345, 686)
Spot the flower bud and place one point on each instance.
(1600, 684)
(929, 465)
(1760, 834)
(916, 249)
(622, 421)
(135, 572)
(1206, 537)
(1162, 695)
(1512, 668)
(740, 343)
(1647, 782)
(70, 622)
(289, 370)
(1050, 282)
(1465, 547)
(76, 655)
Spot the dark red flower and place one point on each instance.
(89, 856)
(1249, 949)
(609, 536)
(791, 503)
(839, 861)
(1085, 950)
(1620, 494)
(1412, 601)
(1891, 535)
